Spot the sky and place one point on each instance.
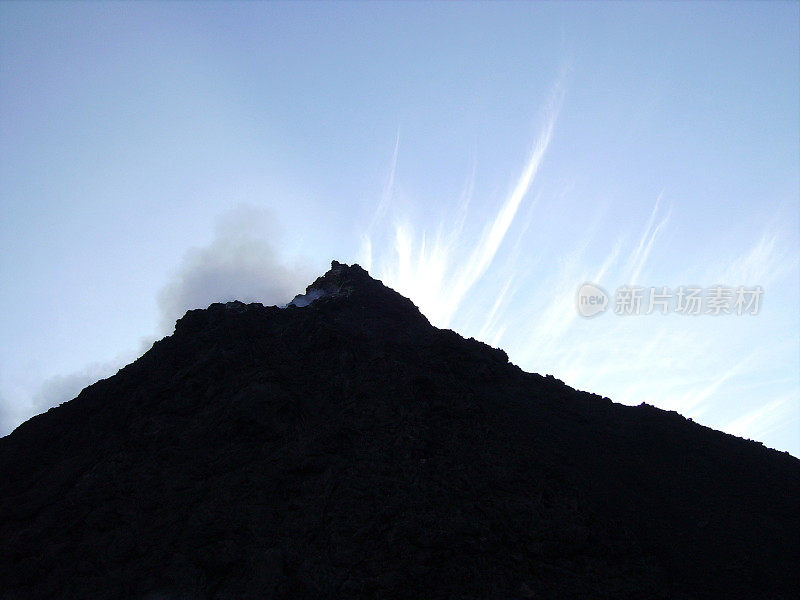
(484, 159)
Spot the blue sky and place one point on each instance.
(484, 159)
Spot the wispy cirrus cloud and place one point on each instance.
(766, 259)
(638, 258)
(433, 269)
(758, 423)
(521, 294)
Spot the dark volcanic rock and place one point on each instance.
(348, 449)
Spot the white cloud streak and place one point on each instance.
(639, 257)
(758, 423)
(486, 250)
(696, 398)
(431, 270)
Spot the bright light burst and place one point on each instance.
(433, 270)
(527, 305)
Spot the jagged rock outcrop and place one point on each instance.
(348, 449)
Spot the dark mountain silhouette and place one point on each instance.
(346, 448)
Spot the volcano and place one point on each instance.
(343, 447)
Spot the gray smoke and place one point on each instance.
(54, 390)
(240, 263)
(62, 388)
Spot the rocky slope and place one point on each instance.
(343, 447)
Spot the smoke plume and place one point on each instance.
(240, 263)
